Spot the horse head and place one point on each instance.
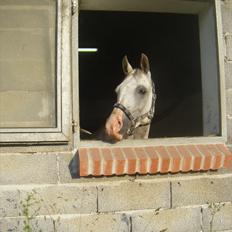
(135, 101)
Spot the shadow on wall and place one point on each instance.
(74, 167)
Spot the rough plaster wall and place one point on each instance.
(227, 30)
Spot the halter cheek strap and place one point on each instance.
(142, 120)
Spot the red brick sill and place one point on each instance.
(153, 159)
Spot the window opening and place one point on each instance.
(172, 44)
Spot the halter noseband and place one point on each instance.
(138, 122)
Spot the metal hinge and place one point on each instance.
(74, 126)
(74, 6)
(227, 40)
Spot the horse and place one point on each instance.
(135, 107)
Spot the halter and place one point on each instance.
(139, 121)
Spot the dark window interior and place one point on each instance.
(171, 42)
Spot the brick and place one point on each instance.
(108, 161)
(119, 161)
(83, 159)
(96, 161)
(154, 159)
(143, 160)
(228, 161)
(175, 220)
(228, 155)
(131, 159)
(197, 157)
(175, 159)
(186, 158)
(207, 156)
(218, 162)
(133, 195)
(218, 217)
(218, 157)
(20, 168)
(201, 191)
(165, 159)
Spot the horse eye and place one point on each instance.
(142, 90)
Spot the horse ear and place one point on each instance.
(144, 63)
(126, 67)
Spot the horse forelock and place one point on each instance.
(137, 75)
(138, 72)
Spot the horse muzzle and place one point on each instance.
(116, 125)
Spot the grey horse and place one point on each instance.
(133, 112)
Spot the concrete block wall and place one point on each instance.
(48, 197)
(226, 6)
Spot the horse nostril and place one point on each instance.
(120, 123)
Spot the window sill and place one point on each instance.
(108, 161)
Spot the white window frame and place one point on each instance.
(199, 8)
(63, 131)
